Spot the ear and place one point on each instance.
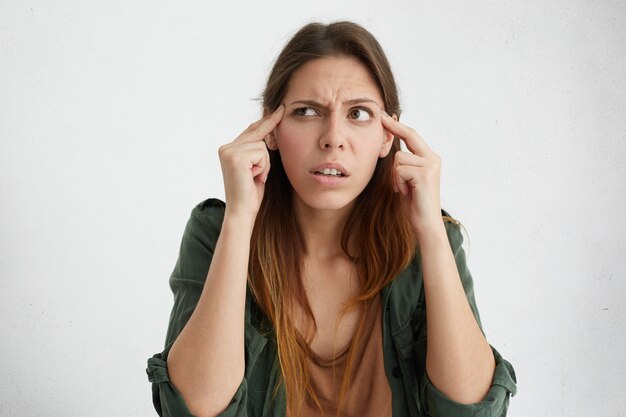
(387, 141)
(270, 141)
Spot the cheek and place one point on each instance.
(293, 137)
(370, 141)
(290, 135)
(290, 140)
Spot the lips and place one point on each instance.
(330, 170)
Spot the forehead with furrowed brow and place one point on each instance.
(351, 102)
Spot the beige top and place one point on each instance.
(369, 393)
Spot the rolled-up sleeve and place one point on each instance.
(169, 403)
(187, 282)
(503, 385)
(495, 403)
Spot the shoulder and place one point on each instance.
(200, 235)
(409, 281)
(210, 210)
(206, 219)
(453, 229)
(404, 296)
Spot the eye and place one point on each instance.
(361, 114)
(305, 111)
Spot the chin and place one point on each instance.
(328, 201)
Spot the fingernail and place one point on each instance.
(385, 114)
(281, 107)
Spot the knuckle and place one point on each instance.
(227, 154)
(400, 156)
(256, 131)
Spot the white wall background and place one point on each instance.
(111, 113)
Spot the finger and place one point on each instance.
(247, 146)
(411, 138)
(261, 169)
(402, 158)
(399, 183)
(406, 176)
(405, 158)
(261, 128)
(238, 154)
(267, 116)
(259, 164)
(266, 170)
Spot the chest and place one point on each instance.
(404, 356)
(328, 290)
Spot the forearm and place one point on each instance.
(207, 362)
(459, 361)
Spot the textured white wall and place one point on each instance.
(111, 113)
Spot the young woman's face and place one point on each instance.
(331, 135)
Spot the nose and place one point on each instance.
(333, 136)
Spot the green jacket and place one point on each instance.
(404, 338)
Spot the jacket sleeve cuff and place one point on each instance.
(168, 402)
(494, 404)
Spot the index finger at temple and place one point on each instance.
(414, 142)
(261, 128)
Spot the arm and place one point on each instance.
(503, 384)
(187, 282)
(206, 363)
(459, 361)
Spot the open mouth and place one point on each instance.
(330, 172)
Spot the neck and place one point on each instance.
(321, 229)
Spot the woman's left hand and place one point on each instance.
(416, 175)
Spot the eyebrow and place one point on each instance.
(350, 102)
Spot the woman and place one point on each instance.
(307, 292)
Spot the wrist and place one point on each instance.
(429, 230)
(240, 222)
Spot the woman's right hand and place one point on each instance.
(206, 363)
(246, 164)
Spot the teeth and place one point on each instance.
(331, 171)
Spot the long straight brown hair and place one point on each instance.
(385, 242)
